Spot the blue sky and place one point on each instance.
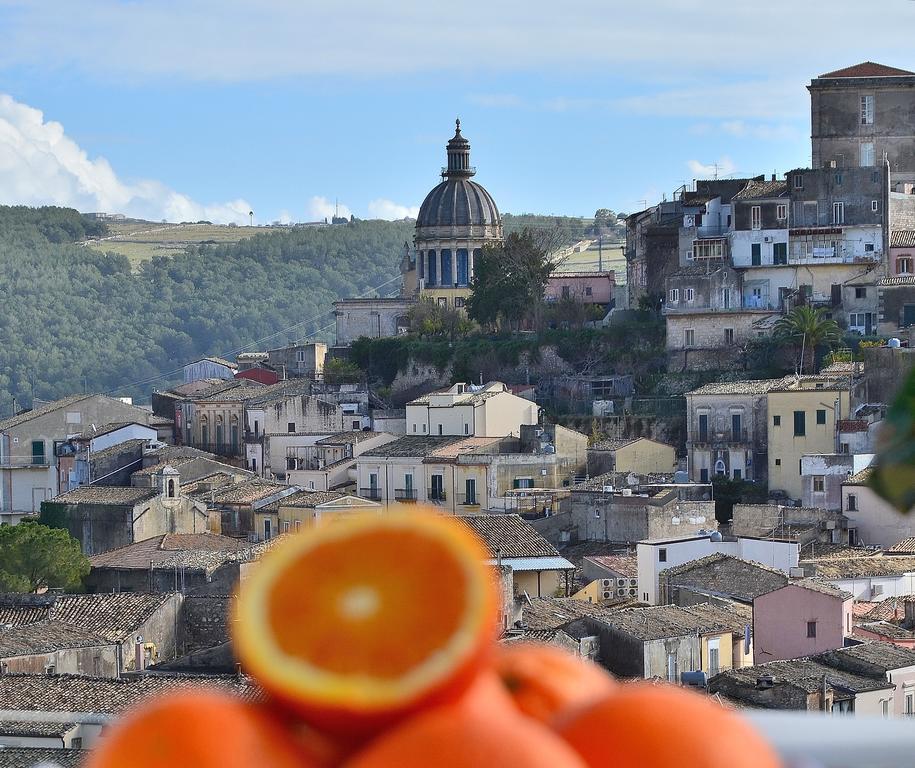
(202, 109)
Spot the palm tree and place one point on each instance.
(810, 328)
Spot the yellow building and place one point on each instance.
(640, 455)
(307, 509)
(803, 415)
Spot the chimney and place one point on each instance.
(773, 177)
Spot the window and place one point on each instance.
(886, 707)
(860, 292)
(780, 253)
(904, 265)
(910, 703)
(690, 294)
(290, 427)
(703, 427)
(588, 291)
(432, 270)
(171, 488)
(851, 504)
(267, 531)
(800, 423)
(821, 415)
(811, 629)
(447, 277)
(424, 428)
(838, 213)
(458, 301)
(470, 491)
(838, 178)
(689, 337)
(781, 211)
(466, 429)
(566, 292)
(844, 448)
(728, 335)
(414, 427)
(875, 205)
(819, 483)
(662, 555)
(867, 109)
(300, 355)
(673, 295)
(298, 525)
(778, 462)
(755, 217)
(867, 154)
(462, 267)
(776, 421)
(798, 181)
(38, 452)
(755, 254)
(285, 526)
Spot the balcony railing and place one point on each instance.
(254, 437)
(463, 500)
(729, 437)
(373, 494)
(437, 494)
(405, 494)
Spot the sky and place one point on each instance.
(206, 109)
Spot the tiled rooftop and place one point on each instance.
(862, 567)
(114, 616)
(105, 429)
(45, 637)
(808, 675)
(897, 280)
(888, 630)
(625, 565)
(873, 657)
(132, 446)
(726, 576)
(40, 757)
(550, 613)
(106, 494)
(247, 492)
(906, 545)
(860, 478)
(509, 536)
(451, 451)
(762, 190)
(346, 438)
(869, 69)
(72, 693)
(658, 622)
(160, 549)
(613, 444)
(744, 387)
(34, 728)
(302, 500)
(824, 587)
(411, 445)
(621, 480)
(22, 418)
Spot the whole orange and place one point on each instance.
(544, 680)
(200, 728)
(482, 730)
(662, 726)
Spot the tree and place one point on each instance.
(34, 556)
(808, 328)
(509, 280)
(429, 318)
(340, 371)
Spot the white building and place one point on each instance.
(468, 410)
(656, 555)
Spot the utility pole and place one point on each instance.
(600, 252)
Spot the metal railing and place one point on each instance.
(463, 500)
(372, 494)
(437, 494)
(405, 494)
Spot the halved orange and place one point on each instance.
(355, 624)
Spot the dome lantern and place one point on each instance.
(458, 155)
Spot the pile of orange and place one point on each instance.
(375, 640)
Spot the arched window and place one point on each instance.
(204, 431)
(234, 433)
(171, 488)
(220, 434)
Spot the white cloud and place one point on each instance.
(762, 131)
(41, 165)
(724, 167)
(387, 209)
(319, 208)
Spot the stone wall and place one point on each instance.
(203, 622)
(97, 661)
(886, 370)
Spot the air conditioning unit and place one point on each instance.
(621, 582)
(767, 239)
(633, 582)
(606, 583)
(633, 592)
(830, 525)
(608, 489)
(621, 592)
(608, 594)
(796, 573)
(626, 491)
(876, 590)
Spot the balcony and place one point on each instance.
(463, 500)
(437, 494)
(254, 437)
(372, 494)
(405, 494)
(730, 437)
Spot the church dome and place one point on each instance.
(458, 201)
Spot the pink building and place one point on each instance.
(587, 287)
(800, 619)
(902, 253)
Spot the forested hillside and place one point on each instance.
(73, 319)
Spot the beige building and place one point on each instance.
(641, 455)
(307, 509)
(330, 463)
(470, 410)
(872, 521)
(29, 442)
(802, 419)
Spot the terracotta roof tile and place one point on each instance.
(509, 536)
(868, 69)
(725, 576)
(28, 757)
(625, 565)
(903, 238)
(159, 550)
(24, 416)
(124, 495)
(45, 637)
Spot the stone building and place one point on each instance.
(303, 359)
(862, 113)
(55, 648)
(103, 518)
